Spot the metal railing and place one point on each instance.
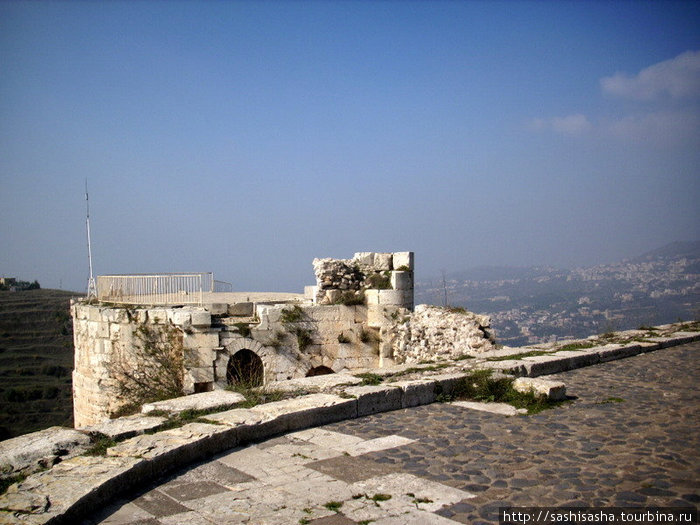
(222, 286)
(164, 288)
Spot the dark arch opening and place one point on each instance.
(319, 371)
(245, 368)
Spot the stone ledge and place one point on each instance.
(554, 390)
(201, 401)
(126, 427)
(40, 450)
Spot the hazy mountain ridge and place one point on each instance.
(537, 304)
(36, 360)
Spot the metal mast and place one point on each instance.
(92, 287)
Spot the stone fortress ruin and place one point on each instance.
(358, 316)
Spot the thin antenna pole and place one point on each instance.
(92, 287)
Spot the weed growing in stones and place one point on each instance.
(481, 386)
(293, 314)
(333, 505)
(576, 346)
(100, 444)
(532, 353)
(153, 371)
(369, 378)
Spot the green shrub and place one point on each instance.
(293, 314)
(379, 281)
(481, 386)
(155, 370)
(369, 378)
(304, 337)
(350, 298)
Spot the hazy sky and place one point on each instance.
(247, 138)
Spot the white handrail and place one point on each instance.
(164, 288)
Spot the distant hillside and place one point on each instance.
(36, 360)
(674, 250)
(540, 304)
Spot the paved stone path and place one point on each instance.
(630, 438)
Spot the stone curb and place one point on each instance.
(82, 484)
(562, 361)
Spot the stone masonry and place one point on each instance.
(358, 316)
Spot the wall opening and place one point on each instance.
(203, 387)
(245, 368)
(319, 371)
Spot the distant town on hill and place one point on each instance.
(541, 304)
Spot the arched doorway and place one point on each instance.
(319, 371)
(244, 368)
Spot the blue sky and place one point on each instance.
(247, 138)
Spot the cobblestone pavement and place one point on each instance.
(630, 438)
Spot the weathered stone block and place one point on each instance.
(402, 280)
(308, 411)
(552, 364)
(201, 318)
(126, 427)
(383, 262)
(42, 449)
(365, 259)
(375, 316)
(200, 340)
(201, 401)
(612, 352)
(554, 390)
(115, 315)
(157, 315)
(360, 313)
(649, 347)
(317, 383)
(446, 384)
(395, 297)
(216, 308)
(180, 317)
(372, 297)
(325, 314)
(248, 425)
(70, 488)
(98, 329)
(310, 292)
(401, 259)
(241, 309)
(417, 392)
(373, 399)
(179, 446)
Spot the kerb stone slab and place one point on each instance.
(416, 393)
(201, 401)
(554, 390)
(41, 449)
(126, 427)
(372, 399)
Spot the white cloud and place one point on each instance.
(678, 77)
(661, 128)
(673, 84)
(570, 125)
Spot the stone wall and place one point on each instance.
(358, 316)
(106, 341)
(432, 332)
(379, 278)
(289, 339)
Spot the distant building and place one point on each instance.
(8, 281)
